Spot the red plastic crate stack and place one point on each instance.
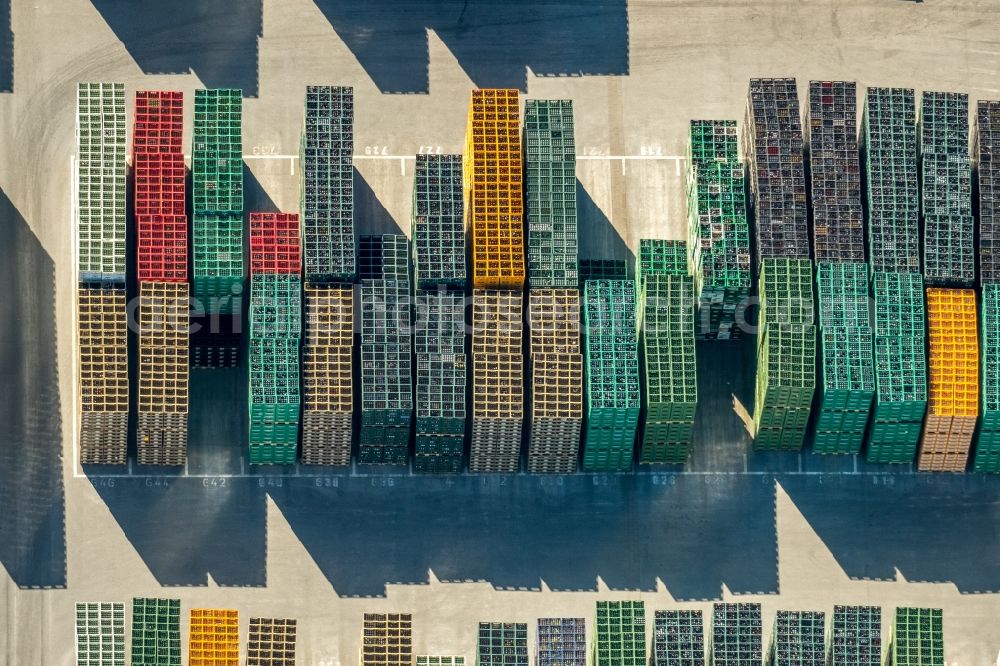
(274, 243)
(158, 165)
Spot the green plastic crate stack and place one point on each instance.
(946, 190)
(856, 636)
(900, 367)
(987, 456)
(275, 305)
(550, 193)
(386, 350)
(786, 354)
(678, 638)
(847, 365)
(438, 224)
(736, 638)
(718, 231)
(101, 182)
(889, 158)
(502, 644)
(100, 634)
(217, 199)
(275, 399)
(327, 194)
(611, 359)
(440, 660)
(917, 637)
(156, 632)
(798, 639)
(620, 635)
(439, 345)
(666, 337)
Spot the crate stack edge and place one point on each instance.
(855, 636)
(156, 632)
(620, 634)
(502, 644)
(798, 638)
(100, 633)
(678, 638)
(735, 638)
(214, 638)
(917, 637)
(101, 234)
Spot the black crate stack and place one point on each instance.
(774, 147)
(946, 189)
(838, 219)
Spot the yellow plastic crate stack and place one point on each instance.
(492, 178)
(215, 637)
(953, 405)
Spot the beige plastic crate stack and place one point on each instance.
(556, 380)
(327, 388)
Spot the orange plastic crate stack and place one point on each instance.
(953, 405)
(493, 189)
(215, 637)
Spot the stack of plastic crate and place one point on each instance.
(275, 329)
(550, 193)
(439, 345)
(953, 399)
(917, 638)
(502, 644)
(718, 231)
(556, 380)
(100, 634)
(666, 337)
(987, 142)
(497, 381)
(855, 637)
(440, 660)
(327, 381)
(555, 361)
(156, 632)
(562, 641)
(900, 367)
(613, 398)
(328, 185)
(101, 316)
(736, 637)
(889, 150)
(492, 178)
(798, 639)
(387, 639)
(987, 457)
(847, 367)
(786, 354)
(602, 269)
(164, 354)
(946, 190)
(838, 219)
(386, 350)
(620, 634)
(327, 206)
(773, 144)
(678, 638)
(217, 200)
(214, 638)
(492, 182)
(439, 340)
(271, 642)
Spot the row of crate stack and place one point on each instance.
(897, 333)
(618, 638)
